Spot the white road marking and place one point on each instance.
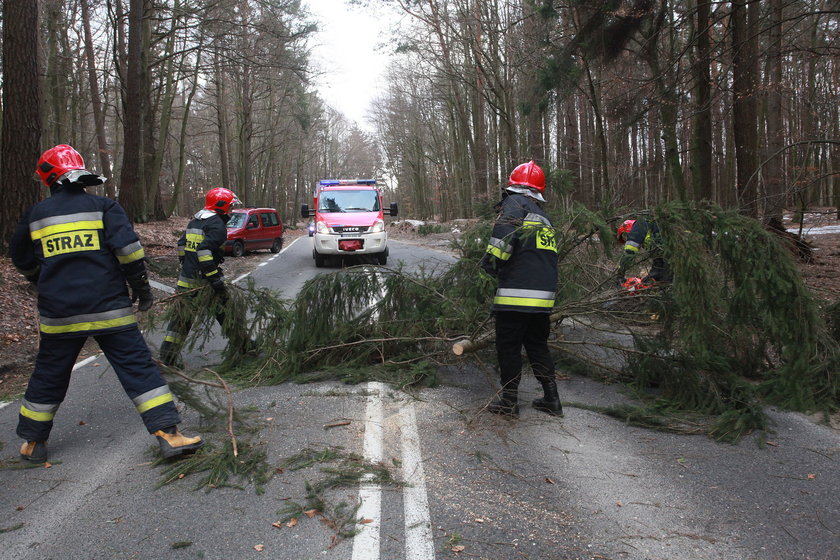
(162, 287)
(283, 250)
(419, 543)
(366, 542)
(84, 362)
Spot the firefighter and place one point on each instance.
(79, 250)
(522, 255)
(642, 235)
(201, 251)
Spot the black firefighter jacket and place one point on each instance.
(78, 249)
(201, 249)
(522, 254)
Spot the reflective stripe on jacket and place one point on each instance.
(82, 247)
(522, 254)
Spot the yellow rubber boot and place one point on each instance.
(34, 451)
(173, 443)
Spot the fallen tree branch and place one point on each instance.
(482, 340)
(230, 411)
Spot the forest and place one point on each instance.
(626, 104)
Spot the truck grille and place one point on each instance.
(350, 229)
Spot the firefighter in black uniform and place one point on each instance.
(79, 250)
(522, 255)
(201, 251)
(642, 235)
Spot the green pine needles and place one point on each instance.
(736, 330)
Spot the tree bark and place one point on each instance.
(131, 178)
(702, 179)
(96, 104)
(744, 124)
(21, 134)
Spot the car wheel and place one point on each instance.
(238, 249)
(277, 245)
(319, 259)
(382, 258)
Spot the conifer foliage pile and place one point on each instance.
(736, 330)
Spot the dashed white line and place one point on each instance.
(366, 542)
(419, 543)
(283, 250)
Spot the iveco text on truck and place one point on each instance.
(349, 220)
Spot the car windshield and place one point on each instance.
(349, 201)
(237, 220)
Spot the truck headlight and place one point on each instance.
(322, 227)
(378, 226)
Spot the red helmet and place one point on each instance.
(57, 161)
(625, 228)
(528, 175)
(220, 200)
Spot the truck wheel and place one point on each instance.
(382, 258)
(319, 259)
(277, 245)
(238, 249)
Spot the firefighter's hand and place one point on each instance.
(144, 294)
(619, 281)
(218, 285)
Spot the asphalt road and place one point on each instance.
(476, 486)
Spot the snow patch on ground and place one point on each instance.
(821, 230)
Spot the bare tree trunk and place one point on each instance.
(131, 178)
(702, 162)
(744, 120)
(21, 134)
(96, 103)
(182, 142)
(774, 182)
(55, 95)
(221, 116)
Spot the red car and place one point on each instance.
(250, 229)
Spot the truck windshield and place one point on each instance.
(237, 219)
(348, 201)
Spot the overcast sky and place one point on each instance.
(345, 49)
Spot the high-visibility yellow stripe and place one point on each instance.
(524, 302)
(63, 228)
(37, 416)
(205, 258)
(89, 325)
(135, 256)
(631, 248)
(151, 403)
(172, 339)
(207, 275)
(498, 253)
(185, 284)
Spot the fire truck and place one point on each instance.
(349, 219)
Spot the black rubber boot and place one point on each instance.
(173, 443)
(506, 405)
(34, 451)
(550, 403)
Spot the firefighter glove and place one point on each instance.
(218, 285)
(140, 290)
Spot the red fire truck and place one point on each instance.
(349, 219)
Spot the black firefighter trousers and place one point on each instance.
(515, 329)
(131, 359)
